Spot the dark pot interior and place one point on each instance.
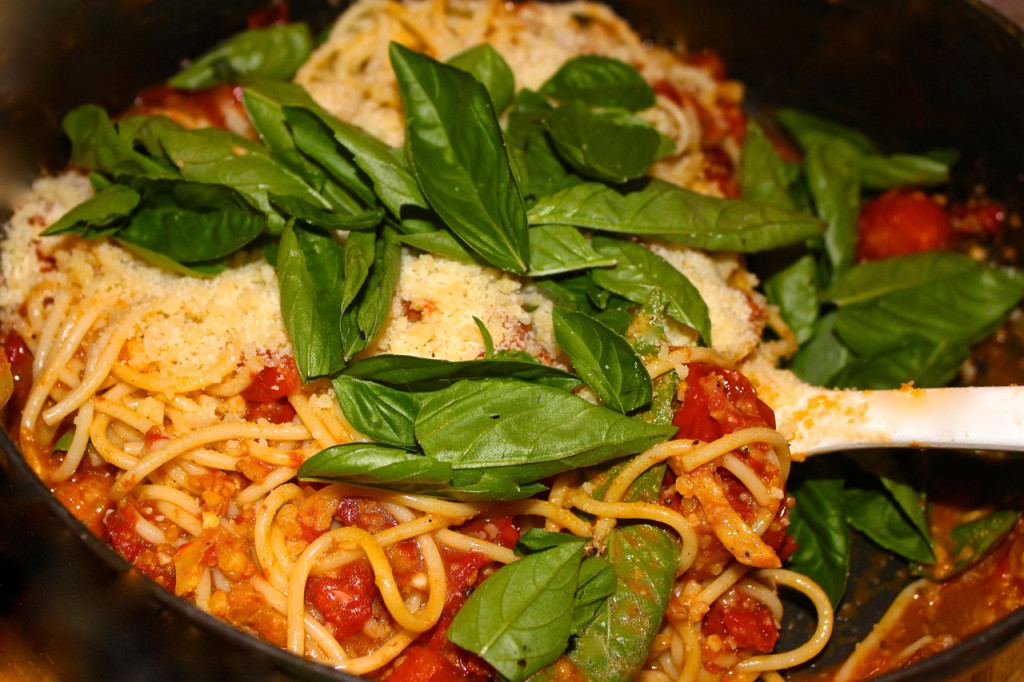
(914, 74)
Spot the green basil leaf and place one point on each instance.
(274, 52)
(96, 145)
(613, 145)
(430, 374)
(64, 442)
(597, 582)
(604, 360)
(459, 157)
(794, 290)
(912, 502)
(363, 319)
(485, 64)
(520, 618)
(543, 170)
(835, 187)
(537, 540)
(615, 645)
(973, 540)
(926, 363)
(600, 82)
(639, 272)
(100, 215)
(198, 269)
(358, 253)
(379, 412)
(443, 243)
(328, 219)
(873, 513)
(555, 249)
(762, 173)
(652, 207)
(309, 271)
(902, 170)
(818, 524)
(378, 466)
(824, 356)
(488, 485)
(809, 130)
(505, 422)
(942, 297)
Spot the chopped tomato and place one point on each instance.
(902, 222)
(748, 622)
(718, 402)
(978, 216)
(276, 380)
(274, 14)
(423, 665)
(217, 107)
(279, 411)
(346, 600)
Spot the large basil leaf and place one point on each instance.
(926, 363)
(378, 466)
(597, 582)
(361, 321)
(429, 374)
(612, 145)
(505, 422)
(274, 52)
(543, 170)
(873, 513)
(639, 273)
(795, 290)
(824, 356)
(555, 249)
(380, 412)
(459, 157)
(101, 215)
(653, 207)
(902, 170)
(520, 619)
(762, 173)
(973, 540)
(809, 129)
(604, 359)
(835, 187)
(942, 297)
(309, 271)
(818, 524)
(96, 145)
(600, 82)
(485, 64)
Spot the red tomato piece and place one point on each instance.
(278, 412)
(978, 216)
(346, 600)
(275, 14)
(747, 621)
(718, 402)
(902, 222)
(276, 380)
(423, 665)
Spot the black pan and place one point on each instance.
(914, 74)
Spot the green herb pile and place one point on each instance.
(556, 193)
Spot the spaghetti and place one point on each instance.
(187, 419)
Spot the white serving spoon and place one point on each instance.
(817, 420)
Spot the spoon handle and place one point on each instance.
(983, 418)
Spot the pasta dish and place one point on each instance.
(279, 340)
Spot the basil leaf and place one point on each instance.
(613, 146)
(537, 540)
(487, 485)
(794, 290)
(379, 412)
(600, 82)
(328, 219)
(358, 252)
(459, 157)
(873, 513)
(555, 249)
(824, 356)
(429, 374)
(274, 52)
(505, 422)
(615, 645)
(543, 170)
(443, 243)
(100, 215)
(639, 272)
(973, 540)
(809, 130)
(309, 271)
(96, 145)
(378, 466)
(597, 582)
(902, 170)
(361, 321)
(604, 360)
(652, 207)
(520, 618)
(762, 173)
(942, 297)
(64, 442)
(818, 524)
(485, 64)
(198, 269)
(835, 187)
(924, 362)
